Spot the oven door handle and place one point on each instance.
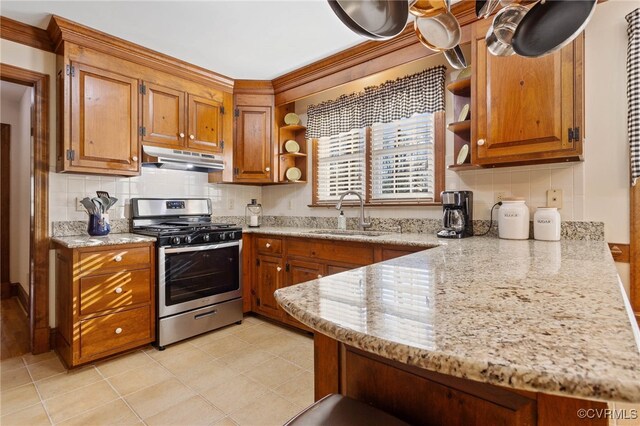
(200, 248)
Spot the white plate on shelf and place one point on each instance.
(293, 174)
(291, 119)
(464, 113)
(463, 154)
(291, 146)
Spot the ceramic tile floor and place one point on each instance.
(255, 373)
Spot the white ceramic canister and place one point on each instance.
(546, 224)
(513, 220)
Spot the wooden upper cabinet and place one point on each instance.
(526, 110)
(205, 124)
(163, 116)
(104, 122)
(252, 148)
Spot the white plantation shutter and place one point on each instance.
(402, 159)
(341, 164)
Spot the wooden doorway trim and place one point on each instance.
(39, 245)
(5, 175)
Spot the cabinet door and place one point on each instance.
(252, 151)
(269, 277)
(524, 107)
(205, 124)
(104, 121)
(163, 116)
(303, 271)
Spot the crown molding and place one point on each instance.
(62, 30)
(254, 87)
(25, 34)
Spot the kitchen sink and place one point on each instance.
(348, 232)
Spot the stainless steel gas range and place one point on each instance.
(199, 276)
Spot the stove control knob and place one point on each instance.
(232, 235)
(187, 239)
(222, 236)
(175, 240)
(206, 237)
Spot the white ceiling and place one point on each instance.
(240, 39)
(12, 92)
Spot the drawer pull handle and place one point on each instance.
(319, 275)
(278, 269)
(182, 135)
(192, 137)
(118, 290)
(118, 330)
(118, 258)
(267, 245)
(481, 142)
(206, 314)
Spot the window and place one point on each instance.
(402, 159)
(341, 164)
(399, 159)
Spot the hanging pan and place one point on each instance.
(439, 33)
(375, 19)
(551, 25)
(429, 8)
(484, 8)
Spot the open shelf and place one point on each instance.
(463, 167)
(293, 154)
(460, 126)
(293, 127)
(460, 87)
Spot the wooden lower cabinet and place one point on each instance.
(284, 261)
(423, 397)
(269, 277)
(105, 300)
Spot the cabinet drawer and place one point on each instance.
(110, 291)
(335, 251)
(113, 331)
(95, 262)
(269, 245)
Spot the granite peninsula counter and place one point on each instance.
(545, 317)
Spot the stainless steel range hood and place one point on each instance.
(177, 159)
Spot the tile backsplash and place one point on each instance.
(64, 189)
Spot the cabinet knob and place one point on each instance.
(481, 142)
(192, 137)
(319, 275)
(181, 135)
(118, 258)
(278, 269)
(118, 330)
(118, 290)
(267, 169)
(267, 245)
(134, 158)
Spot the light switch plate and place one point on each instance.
(554, 198)
(79, 206)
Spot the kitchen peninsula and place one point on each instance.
(477, 331)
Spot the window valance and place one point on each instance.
(401, 98)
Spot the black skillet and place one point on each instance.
(551, 25)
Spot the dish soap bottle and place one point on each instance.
(342, 221)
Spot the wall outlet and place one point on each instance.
(499, 196)
(230, 203)
(554, 198)
(79, 206)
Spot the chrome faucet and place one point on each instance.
(362, 224)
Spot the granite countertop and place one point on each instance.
(548, 317)
(426, 240)
(77, 241)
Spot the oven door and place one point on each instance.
(196, 276)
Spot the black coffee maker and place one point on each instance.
(457, 214)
